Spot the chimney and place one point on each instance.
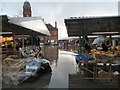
(55, 24)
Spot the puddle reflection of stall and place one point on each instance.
(51, 53)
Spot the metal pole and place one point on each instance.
(32, 40)
(14, 45)
(22, 40)
(79, 45)
(110, 41)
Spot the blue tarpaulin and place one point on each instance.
(83, 57)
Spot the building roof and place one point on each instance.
(50, 27)
(87, 25)
(24, 25)
(3, 18)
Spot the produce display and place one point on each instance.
(113, 52)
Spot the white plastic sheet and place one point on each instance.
(30, 68)
(99, 40)
(70, 38)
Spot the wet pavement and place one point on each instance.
(65, 73)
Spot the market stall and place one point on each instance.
(27, 63)
(32, 26)
(102, 62)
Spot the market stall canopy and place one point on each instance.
(69, 38)
(79, 26)
(34, 23)
(6, 26)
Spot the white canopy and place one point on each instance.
(70, 38)
(99, 40)
(33, 23)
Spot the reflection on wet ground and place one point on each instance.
(62, 63)
(64, 66)
(64, 72)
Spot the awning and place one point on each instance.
(82, 26)
(69, 38)
(35, 24)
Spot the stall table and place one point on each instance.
(95, 67)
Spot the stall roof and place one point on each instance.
(69, 38)
(93, 25)
(24, 25)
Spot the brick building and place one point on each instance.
(54, 34)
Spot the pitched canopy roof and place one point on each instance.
(87, 26)
(25, 25)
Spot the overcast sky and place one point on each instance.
(53, 11)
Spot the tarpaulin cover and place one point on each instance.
(99, 40)
(83, 57)
(18, 70)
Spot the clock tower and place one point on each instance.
(26, 9)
